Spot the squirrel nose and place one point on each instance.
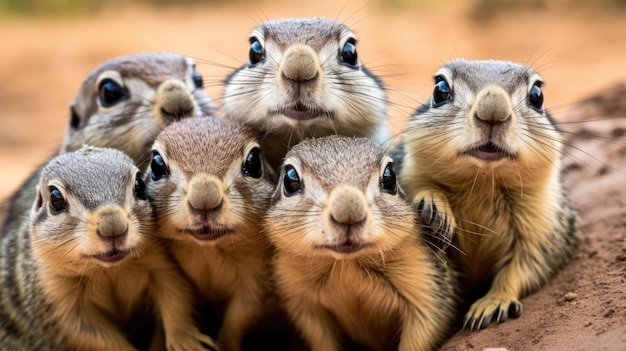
(300, 63)
(112, 222)
(493, 106)
(347, 205)
(175, 100)
(205, 193)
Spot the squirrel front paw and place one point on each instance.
(436, 218)
(491, 308)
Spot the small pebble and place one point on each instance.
(570, 296)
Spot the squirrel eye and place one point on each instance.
(57, 202)
(158, 167)
(535, 97)
(252, 167)
(198, 82)
(110, 93)
(256, 52)
(291, 182)
(441, 93)
(140, 188)
(348, 53)
(388, 181)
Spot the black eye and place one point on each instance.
(110, 93)
(140, 188)
(291, 182)
(535, 97)
(198, 82)
(441, 94)
(388, 181)
(256, 52)
(253, 165)
(57, 202)
(158, 167)
(348, 53)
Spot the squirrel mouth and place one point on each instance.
(346, 247)
(207, 232)
(176, 116)
(111, 256)
(301, 112)
(489, 152)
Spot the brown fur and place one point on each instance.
(390, 292)
(71, 299)
(303, 88)
(514, 225)
(211, 212)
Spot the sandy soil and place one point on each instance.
(579, 51)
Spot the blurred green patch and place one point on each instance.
(408, 4)
(75, 7)
(48, 7)
(479, 9)
(486, 9)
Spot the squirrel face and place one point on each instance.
(209, 180)
(338, 197)
(91, 210)
(127, 101)
(304, 78)
(486, 115)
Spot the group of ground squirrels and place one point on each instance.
(289, 218)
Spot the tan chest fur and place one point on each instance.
(116, 292)
(368, 301)
(218, 272)
(491, 221)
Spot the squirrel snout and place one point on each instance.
(348, 206)
(112, 222)
(205, 193)
(174, 100)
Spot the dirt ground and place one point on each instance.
(580, 52)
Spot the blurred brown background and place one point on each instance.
(48, 47)
(579, 46)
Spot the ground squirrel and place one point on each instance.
(84, 272)
(486, 152)
(350, 264)
(124, 104)
(211, 185)
(304, 78)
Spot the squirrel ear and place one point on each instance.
(74, 118)
(37, 204)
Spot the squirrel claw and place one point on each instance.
(488, 309)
